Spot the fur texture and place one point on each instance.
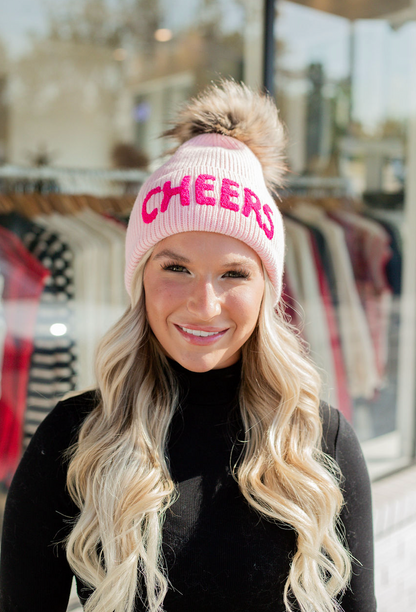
(235, 110)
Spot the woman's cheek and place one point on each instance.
(172, 291)
(248, 301)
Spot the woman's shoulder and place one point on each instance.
(42, 468)
(78, 404)
(74, 407)
(335, 429)
(339, 439)
(61, 425)
(330, 418)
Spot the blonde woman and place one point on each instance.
(204, 473)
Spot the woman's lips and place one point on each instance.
(200, 335)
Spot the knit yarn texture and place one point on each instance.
(212, 183)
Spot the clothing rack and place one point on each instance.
(49, 173)
(46, 179)
(318, 185)
(77, 176)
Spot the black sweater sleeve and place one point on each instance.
(34, 574)
(341, 443)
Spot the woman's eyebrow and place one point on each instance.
(238, 262)
(171, 255)
(243, 261)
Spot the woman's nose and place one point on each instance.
(203, 302)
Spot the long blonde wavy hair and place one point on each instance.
(119, 478)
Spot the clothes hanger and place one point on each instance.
(6, 203)
(27, 204)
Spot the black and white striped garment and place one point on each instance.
(53, 362)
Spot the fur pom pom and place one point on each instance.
(237, 111)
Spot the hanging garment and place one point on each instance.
(289, 303)
(291, 274)
(358, 351)
(115, 235)
(324, 254)
(392, 221)
(53, 361)
(369, 248)
(88, 272)
(101, 299)
(24, 280)
(344, 398)
(315, 324)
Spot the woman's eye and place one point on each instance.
(174, 268)
(236, 274)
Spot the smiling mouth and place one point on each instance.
(200, 333)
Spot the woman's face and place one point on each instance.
(203, 294)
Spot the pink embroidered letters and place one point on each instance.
(182, 190)
(201, 185)
(227, 193)
(149, 217)
(204, 183)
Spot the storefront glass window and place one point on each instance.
(344, 81)
(80, 79)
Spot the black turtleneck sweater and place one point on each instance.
(221, 555)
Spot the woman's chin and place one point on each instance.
(204, 363)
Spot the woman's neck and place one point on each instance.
(219, 386)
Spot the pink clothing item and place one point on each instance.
(212, 183)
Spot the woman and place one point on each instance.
(203, 473)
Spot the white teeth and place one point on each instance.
(197, 332)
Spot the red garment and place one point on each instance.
(344, 398)
(24, 279)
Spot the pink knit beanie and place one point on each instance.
(216, 180)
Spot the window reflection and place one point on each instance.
(343, 87)
(78, 79)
